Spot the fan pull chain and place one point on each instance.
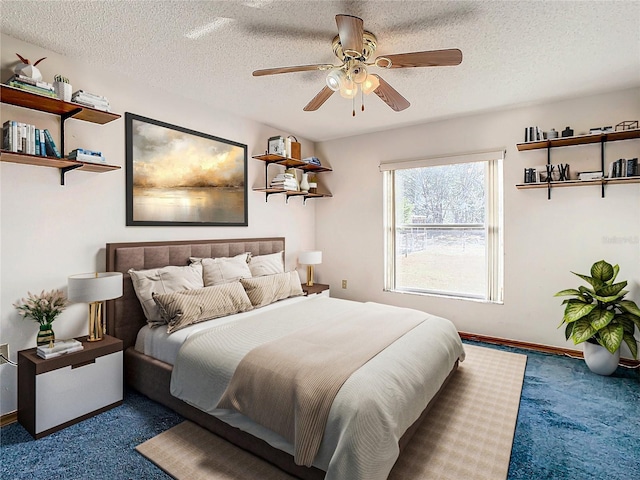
(362, 99)
(353, 104)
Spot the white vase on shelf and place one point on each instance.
(304, 182)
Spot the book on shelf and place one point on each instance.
(31, 81)
(59, 348)
(50, 145)
(85, 151)
(89, 95)
(632, 167)
(81, 157)
(32, 88)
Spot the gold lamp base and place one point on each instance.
(96, 328)
(309, 275)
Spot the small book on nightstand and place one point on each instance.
(60, 347)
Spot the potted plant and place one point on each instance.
(44, 309)
(601, 318)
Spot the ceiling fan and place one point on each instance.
(354, 46)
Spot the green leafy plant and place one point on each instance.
(600, 314)
(43, 308)
(61, 79)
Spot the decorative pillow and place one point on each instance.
(270, 288)
(224, 269)
(163, 280)
(267, 264)
(186, 307)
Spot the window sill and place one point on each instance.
(442, 295)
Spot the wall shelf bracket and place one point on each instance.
(64, 170)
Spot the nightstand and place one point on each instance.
(316, 289)
(61, 391)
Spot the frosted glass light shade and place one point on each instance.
(94, 287)
(310, 258)
(349, 89)
(335, 79)
(370, 84)
(358, 73)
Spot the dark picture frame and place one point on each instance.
(179, 177)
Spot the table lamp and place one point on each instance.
(94, 288)
(310, 259)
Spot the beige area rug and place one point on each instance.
(468, 434)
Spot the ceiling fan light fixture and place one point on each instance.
(335, 79)
(370, 84)
(349, 89)
(358, 73)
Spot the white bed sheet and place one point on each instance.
(157, 343)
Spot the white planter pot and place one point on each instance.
(63, 91)
(600, 360)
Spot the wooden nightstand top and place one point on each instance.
(316, 288)
(91, 351)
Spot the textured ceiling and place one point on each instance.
(515, 52)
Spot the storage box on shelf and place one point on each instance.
(600, 138)
(270, 159)
(65, 110)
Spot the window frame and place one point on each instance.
(493, 225)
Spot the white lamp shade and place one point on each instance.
(94, 287)
(310, 258)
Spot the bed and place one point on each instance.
(149, 369)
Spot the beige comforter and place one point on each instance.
(371, 411)
(288, 385)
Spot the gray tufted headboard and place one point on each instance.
(124, 315)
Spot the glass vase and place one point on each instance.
(46, 335)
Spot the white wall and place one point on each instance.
(51, 231)
(544, 239)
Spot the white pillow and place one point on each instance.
(267, 264)
(163, 280)
(224, 269)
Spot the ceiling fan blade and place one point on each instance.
(350, 30)
(297, 68)
(390, 96)
(432, 58)
(318, 100)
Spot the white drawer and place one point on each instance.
(68, 393)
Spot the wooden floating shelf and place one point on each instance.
(292, 193)
(42, 103)
(12, 157)
(578, 183)
(580, 140)
(291, 163)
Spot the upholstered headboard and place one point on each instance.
(124, 315)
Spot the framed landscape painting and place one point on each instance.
(180, 177)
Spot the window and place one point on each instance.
(443, 225)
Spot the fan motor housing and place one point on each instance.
(369, 44)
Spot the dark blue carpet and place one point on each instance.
(572, 425)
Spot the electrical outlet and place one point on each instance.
(4, 351)
(344, 284)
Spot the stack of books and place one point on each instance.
(24, 138)
(60, 347)
(84, 155)
(312, 161)
(284, 181)
(624, 167)
(92, 100)
(31, 85)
